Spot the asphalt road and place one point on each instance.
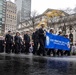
(21, 64)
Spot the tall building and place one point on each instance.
(23, 9)
(2, 15)
(11, 17)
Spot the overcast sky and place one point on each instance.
(41, 5)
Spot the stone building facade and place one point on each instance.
(66, 23)
(11, 17)
(2, 15)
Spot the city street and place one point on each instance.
(21, 64)
(37, 37)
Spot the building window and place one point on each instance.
(13, 17)
(0, 23)
(0, 19)
(9, 16)
(11, 20)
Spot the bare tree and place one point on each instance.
(70, 27)
(68, 10)
(33, 16)
(74, 9)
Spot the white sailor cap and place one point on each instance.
(60, 30)
(27, 30)
(51, 28)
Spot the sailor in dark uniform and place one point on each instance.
(27, 41)
(51, 49)
(35, 38)
(67, 52)
(41, 34)
(17, 41)
(59, 51)
(8, 41)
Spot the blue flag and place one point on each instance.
(57, 42)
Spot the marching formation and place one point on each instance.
(37, 46)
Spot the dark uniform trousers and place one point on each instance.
(17, 48)
(13, 48)
(27, 47)
(42, 47)
(60, 52)
(35, 47)
(8, 47)
(27, 41)
(41, 42)
(18, 41)
(67, 53)
(23, 47)
(35, 39)
(51, 50)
